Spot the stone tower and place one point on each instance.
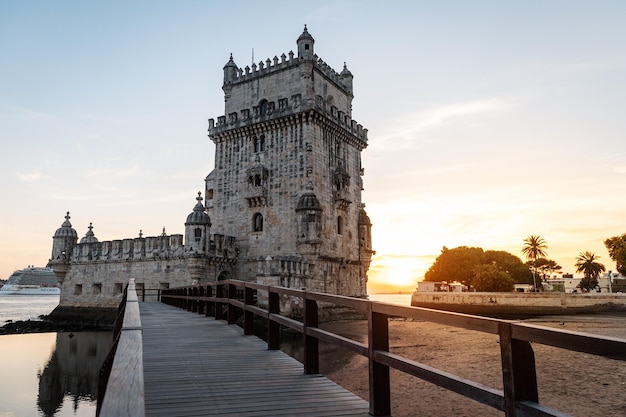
(288, 176)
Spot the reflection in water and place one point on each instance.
(73, 370)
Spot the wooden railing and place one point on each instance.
(231, 299)
(121, 383)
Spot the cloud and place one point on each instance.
(405, 136)
(29, 114)
(126, 172)
(31, 177)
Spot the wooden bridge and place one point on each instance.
(167, 361)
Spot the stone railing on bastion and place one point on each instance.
(149, 248)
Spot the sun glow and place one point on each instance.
(396, 273)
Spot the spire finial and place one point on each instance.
(90, 226)
(199, 198)
(140, 233)
(164, 234)
(67, 216)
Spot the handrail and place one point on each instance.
(123, 393)
(224, 299)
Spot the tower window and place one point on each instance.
(259, 143)
(306, 46)
(197, 233)
(339, 225)
(257, 222)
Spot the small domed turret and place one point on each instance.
(66, 229)
(63, 240)
(305, 45)
(89, 236)
(230, 71)
(346, 77)
(197, 228)
(198, 216)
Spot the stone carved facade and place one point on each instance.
(288, 176)
(283, 201)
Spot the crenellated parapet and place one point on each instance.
(285, 108)
(147, 248)
(268, 67)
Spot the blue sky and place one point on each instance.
(488, 121)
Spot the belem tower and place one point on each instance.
(281, 207)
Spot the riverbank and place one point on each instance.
(572, 382)
(516, 305)
(65, 319)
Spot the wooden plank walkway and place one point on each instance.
(198, 366)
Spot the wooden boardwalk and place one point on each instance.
(197, 366)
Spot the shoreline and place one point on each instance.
(65, 319)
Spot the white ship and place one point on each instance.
(31, 281)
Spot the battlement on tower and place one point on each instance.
(271, 110)
(250, 73)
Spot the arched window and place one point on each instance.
(256, 144)
(257, 222)
(262, 143)
(197, 233)
(339, 225)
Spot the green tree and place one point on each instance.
(546, 266)
(455, 265)
(617, 251)
(587, 263)
(489, 277)
(534, 248)
(510, 263)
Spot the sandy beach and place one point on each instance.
(579, 384)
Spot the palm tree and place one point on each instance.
(534, 248)
(587, 264)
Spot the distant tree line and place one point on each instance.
(478, 269)
(489, 270)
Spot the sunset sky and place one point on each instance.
(488, 121)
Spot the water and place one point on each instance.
(400, 299)
(48, 374)
(26, 307)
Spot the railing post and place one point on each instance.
(219, 307)
(311, 344)
(273, 328)
(232, 311)
(518, 370)
(210, 305)
(201, 303)
(248, 316)
(379, 383)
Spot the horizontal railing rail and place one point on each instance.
(122, 386)
(519, 396)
